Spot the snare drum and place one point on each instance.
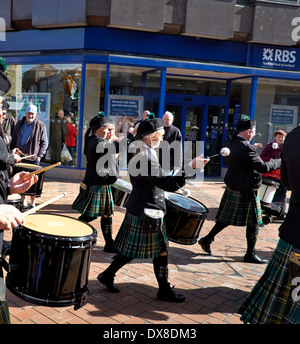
(121, 191)
(184, 218)
(16, 200)
(37, 188)
(50, 260)
(267, 191)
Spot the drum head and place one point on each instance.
(14, 197)
(186, 203)
(123, 185)
(28, 166)
(57, 225)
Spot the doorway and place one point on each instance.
(201, 122)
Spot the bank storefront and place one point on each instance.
(207, 84)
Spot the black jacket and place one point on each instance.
(96, 172)
(6, 159)
(289, 231)
(149, 185)
(172, 134)
(245, 166)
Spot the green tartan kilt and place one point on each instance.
(239, 208)
(133, 243)
(98, 202)
(271, 301)
(4, 312)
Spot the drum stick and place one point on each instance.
(41, 170)
(28, 156)
(40, 206)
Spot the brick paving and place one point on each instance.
(214, 286)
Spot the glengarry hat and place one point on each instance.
(149, 126)
(99, 121)
(245, 124)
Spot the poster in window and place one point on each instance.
(124, 111)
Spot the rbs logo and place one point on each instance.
(277, 56)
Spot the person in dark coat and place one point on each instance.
(97, 200)
(141, 236)
(58, 135)
(10, 217)
(275, 297)
(170, 151)
(240, 205)
(30, 137)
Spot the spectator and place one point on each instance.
(58, 136)
(71, 140)
(30, 137)
(172, 134)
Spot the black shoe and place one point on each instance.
(170, 295)
(254, 259)
(108, 282)
(204, 245)
(110, 249)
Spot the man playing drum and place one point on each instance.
(141, 235)
(240, 205)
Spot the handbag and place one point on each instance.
(151, 220)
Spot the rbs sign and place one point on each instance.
(275, 58)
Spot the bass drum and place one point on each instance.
(184, 218)
(50, 259)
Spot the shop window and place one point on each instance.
(239, 103)
(195, 86)
(277, 107)
(94, 97)
(131, 91)
(51, 87)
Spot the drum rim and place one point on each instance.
(194, 199)
(120, 187)
(25, 164)
(82, 238)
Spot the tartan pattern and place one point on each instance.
(133, 243)
(270, 301)
(239, 208)
(98, 202)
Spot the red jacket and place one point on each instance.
(71, 135)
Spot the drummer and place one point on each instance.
(240, 205)
(134, 239)
(95, 197)
(30, 137)
(10, 216)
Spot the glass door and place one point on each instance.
(214, 138)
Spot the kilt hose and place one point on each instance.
(98, 202)
(239, 208)
(273, 299)
(132, 242)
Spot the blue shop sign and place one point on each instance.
(274, 57)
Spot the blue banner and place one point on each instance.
(274, 57)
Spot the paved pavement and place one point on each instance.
(215, 286)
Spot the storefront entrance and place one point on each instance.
(200, 121)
